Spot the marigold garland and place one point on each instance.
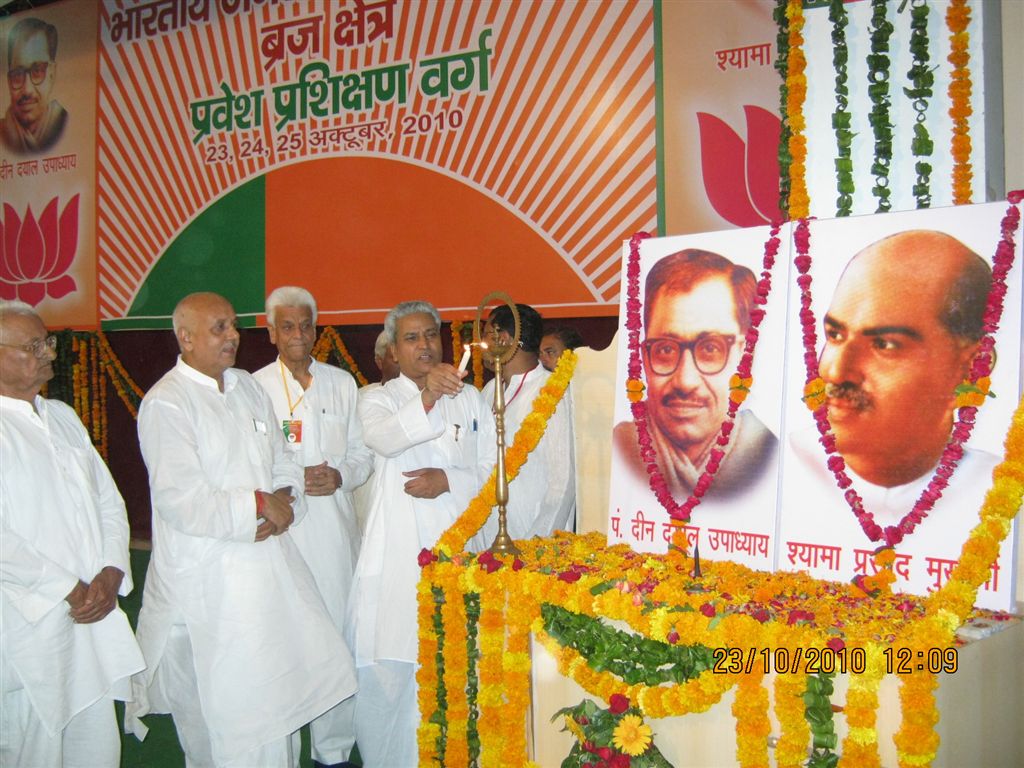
(525, 441)
(329, 342)
(455, 750)
(750, 708)
(860, 747)
(791, 750)
(958, 17)
(428, 734)
(796, 95)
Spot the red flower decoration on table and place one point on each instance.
(426, 557)
(35, 254)
(618, 704)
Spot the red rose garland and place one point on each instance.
(980, 368)
(739, 384)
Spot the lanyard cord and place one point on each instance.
(287, 393)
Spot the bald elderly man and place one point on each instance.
(900, 335)
(240, 647)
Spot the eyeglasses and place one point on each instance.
(710, 353)
(39, 347)
(36, 71)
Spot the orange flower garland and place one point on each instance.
(791, 751)
(453, 617)
(428, 735)
(330, 341)
(796, 94)
(958, 17)
(750, 708)
(526, 439)
(491, 699)
(860, 748)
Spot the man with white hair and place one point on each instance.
(382, 358)
(434, 440)
(66, 649)
(240, 647)
(315, 405)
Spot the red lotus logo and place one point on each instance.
(35, 254)
(742, 180)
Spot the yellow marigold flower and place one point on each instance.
(635, 390)
(632, 736)
(970, 393)
(739, 387)
(814, 393)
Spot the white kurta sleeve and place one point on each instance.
(178, 485)
(389, 432)
(33, 583)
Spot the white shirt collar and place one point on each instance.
(230, 377)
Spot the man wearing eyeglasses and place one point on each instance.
(34, 122)
(696, 313)
(66, 650)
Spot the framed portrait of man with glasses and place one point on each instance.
(698, 297)
(35, 120)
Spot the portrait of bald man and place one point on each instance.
(899, 334)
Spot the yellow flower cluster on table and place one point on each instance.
(729, 606)
(632, 735)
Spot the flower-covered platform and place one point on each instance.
(690, 635)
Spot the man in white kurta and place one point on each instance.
(315, 406)
(241, 649)
(66, 648)
(542, 497)
(434, 441)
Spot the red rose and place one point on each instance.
(517, 564)
(618, 704)
(708, 610)
(761, 615)
(569, 576)
(425, 557)
(489, 562)
(836, 644)
(619, 761)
